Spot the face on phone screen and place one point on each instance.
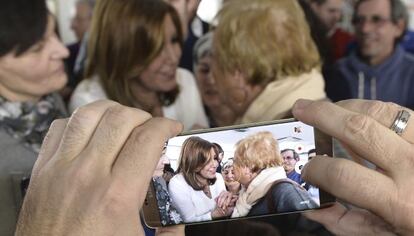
(232, 173)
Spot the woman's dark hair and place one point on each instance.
(218, 148)
(22, 23)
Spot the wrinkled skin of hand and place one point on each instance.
(384, 198)
(93, 172)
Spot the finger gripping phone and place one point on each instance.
(235, 172)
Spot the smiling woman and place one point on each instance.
(197, 191)
(31, 70)
(134, 51)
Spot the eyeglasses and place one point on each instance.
(375, 20)
(289, 158)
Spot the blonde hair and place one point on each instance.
(195, 154)
(257, 152)
(264, 39)
(126, 36)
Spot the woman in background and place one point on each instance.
(133, 54)
(168, 214)
(197, 191)
(219, 114)
(31, 71)
(227, 171)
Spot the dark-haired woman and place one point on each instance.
(31, 70)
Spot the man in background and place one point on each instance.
(329, 13)
(290, 158)
(379, 68)
(77, 51)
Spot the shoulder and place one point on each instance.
(184, 76)
(87, 91)
(283, 187)
(286, 190)
(178, 181)
(409, 58)
(187, 83)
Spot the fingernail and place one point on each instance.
(299, 106)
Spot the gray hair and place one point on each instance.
(90, 3)
(202, 47)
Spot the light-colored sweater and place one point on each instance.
(276, 100)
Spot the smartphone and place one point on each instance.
(191, 192)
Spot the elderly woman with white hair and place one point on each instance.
(258, 166)
(219, 114)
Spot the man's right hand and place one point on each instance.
(387, 195)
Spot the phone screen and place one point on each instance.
(230, 173)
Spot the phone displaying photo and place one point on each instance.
(236, 172)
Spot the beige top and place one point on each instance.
(277, 99)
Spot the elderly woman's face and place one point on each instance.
(159, 76)
(228, 174)
(233, 87)
(37, 72)
(209, 170)
(243, 175)
(206, 83)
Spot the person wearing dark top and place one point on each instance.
(290, 158)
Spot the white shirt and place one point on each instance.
(187, 108)
(194, 206)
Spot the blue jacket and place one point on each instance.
(391, 81)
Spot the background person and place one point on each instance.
(80, 25)
(379, 68)
(290, 158)
(227, 171)
(220, 155)
(31, 72)
(197, 191)
(148, 78)
(330, 14)
(218, 113)
(258, 166)
(168, 214)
